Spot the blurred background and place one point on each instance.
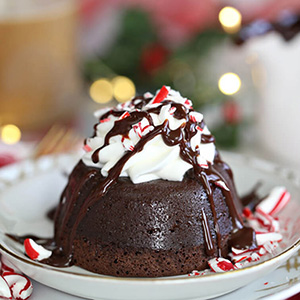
(238, 61)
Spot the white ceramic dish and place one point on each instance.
(29, 190)
(280, 284)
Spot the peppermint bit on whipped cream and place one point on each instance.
(150, 119)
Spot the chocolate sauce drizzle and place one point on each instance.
(241, 236)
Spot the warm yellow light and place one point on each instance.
(229, 83)
(124, 88)
(230, 19)
(101, 91)
(10, 134)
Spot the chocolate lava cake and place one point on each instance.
(151, 196)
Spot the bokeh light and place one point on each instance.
(123, 88)
(229, 83)
(230, 19)
(10, 134)
(101, 91)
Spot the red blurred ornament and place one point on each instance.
(6, 159)
(232, 112)
(153, 57)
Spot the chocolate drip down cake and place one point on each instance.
(151, 196)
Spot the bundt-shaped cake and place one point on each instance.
(151, 196)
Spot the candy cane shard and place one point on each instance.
(221, 184)
(275, 201)
(124, 115)
(20, 286)
(5, 291)
(87, 148)
(148, 95)
(200, 273)
(202, 162)
(195, 117)
(35, 251)
(220, 264)
(161, 95)
(266, 220)
(262, 238)
(105, 120)
(127, 144)
(188, 103)
(142, 128)
(270, 246)
(172, 110)
(7, 266)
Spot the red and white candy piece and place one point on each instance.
(127, 143)
(35, 251)
(188, 103)
(199, 128)
(221, 184)
(202, 162)
(161, 95)
(142, 128)
(239, 255)
(270, 246)
(148, 95)
(255, 256)
(195, 117)
(7, 266)
(220, 264)
(199, 273)
(5, 291)
(263, 237)
(124, 115)
(87, 148)
(275, 201)
(105, 120)
(267, 220)
(20, 286)
(172, 110)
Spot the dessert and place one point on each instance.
(151, 196)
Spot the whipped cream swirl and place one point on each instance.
(120, 129)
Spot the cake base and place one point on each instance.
(150, 229)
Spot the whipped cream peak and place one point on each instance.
(151, 137)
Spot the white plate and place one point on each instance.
(32, 188)
(280, 284)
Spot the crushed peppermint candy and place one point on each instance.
(162, 94)
(120, 130)
(266, 228)
(221, 184)
(87, 148)
(124, 115)
(219, 264)
(195, 116)
(13, 285)
(275, 201)
(5, 291)
(19, 285)
(35, 251)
